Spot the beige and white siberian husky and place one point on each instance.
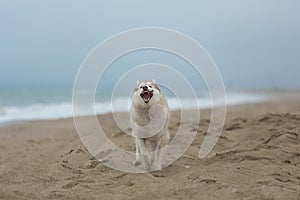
(149, 118)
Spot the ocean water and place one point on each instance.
(34, 104)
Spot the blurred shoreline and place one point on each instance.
(60, 108)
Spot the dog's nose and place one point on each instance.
(145, 88)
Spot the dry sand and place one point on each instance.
(257, 157)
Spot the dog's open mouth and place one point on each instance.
(146, 95)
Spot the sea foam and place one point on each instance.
(39, 111)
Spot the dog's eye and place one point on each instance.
(150, 86)
(141, 87)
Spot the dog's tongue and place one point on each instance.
(146, 97)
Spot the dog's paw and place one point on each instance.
(156, 168)
(136, 163)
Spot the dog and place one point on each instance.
(149, 119)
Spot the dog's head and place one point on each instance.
(146, 93)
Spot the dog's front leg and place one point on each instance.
(138, 157)
(143, 151)
(155, 155)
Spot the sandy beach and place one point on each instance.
(256, 157)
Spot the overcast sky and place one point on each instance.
(255, 43)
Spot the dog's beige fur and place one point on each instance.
(149, 122)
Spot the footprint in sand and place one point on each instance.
(70, 185)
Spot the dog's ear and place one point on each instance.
(153, 81)
(156, 86)
(136, 87)
(134, 90)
